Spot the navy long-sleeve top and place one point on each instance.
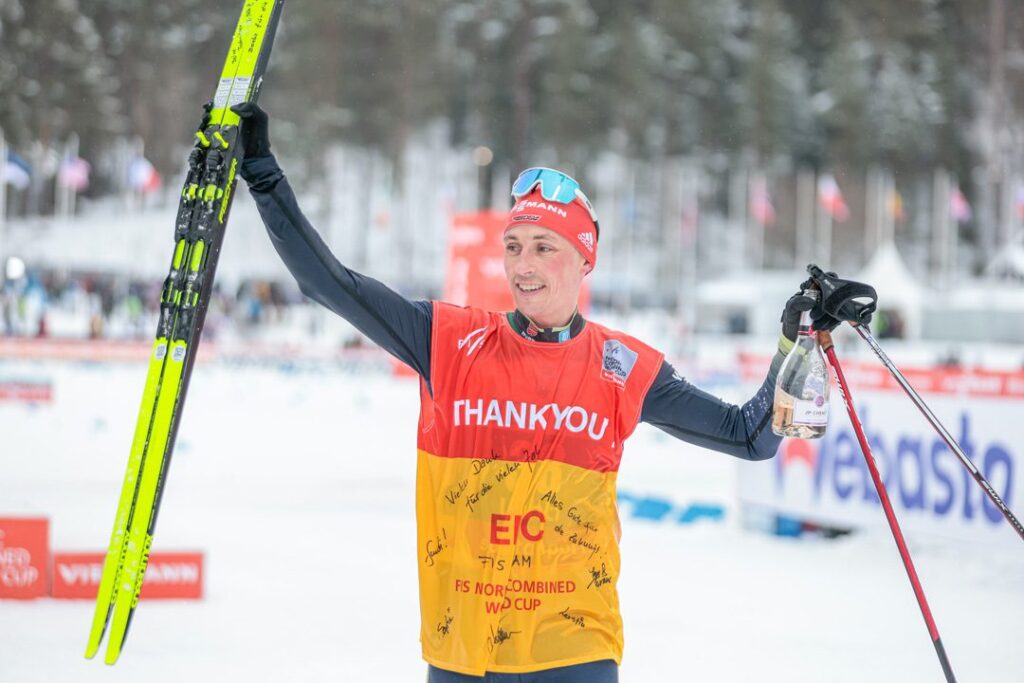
(402, 328)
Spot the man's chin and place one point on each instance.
(523, 302)
(528, 308)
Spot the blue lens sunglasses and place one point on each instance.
(555, 186)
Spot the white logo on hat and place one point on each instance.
(587, 238)
(529, 204)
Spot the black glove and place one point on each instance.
(797, 304)
(255, 133)
(822, 320)
(207, 108)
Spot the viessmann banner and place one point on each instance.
(827, 481)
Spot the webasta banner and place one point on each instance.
(826, 481)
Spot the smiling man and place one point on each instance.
(550, 246)
(522, 423)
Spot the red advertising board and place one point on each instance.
(26, 391)
(24, 557)
(943, 381)
(168, 576)
(476, 270)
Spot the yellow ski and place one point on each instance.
(199, 231)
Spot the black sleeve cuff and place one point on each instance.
(261, 173)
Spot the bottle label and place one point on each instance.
(813, 412)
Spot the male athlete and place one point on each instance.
(522, 422)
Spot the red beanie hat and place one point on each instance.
(572, 221)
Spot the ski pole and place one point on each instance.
(866, 335)
(825, 338)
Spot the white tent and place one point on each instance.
(1008, 264)
(898, 289)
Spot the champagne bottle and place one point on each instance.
(802, 387)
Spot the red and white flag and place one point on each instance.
(143, 176)
(831, 198)
(761, 207)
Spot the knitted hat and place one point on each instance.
(572, 221)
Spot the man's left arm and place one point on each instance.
(676, 407)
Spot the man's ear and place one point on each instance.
(588, 268)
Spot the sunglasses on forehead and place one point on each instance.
(555, 186)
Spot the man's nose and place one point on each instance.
(524, 264)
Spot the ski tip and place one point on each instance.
(95, 637)
(112, 655)
(114, 644)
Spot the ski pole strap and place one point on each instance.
(844, 300)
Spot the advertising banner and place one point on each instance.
(168, 576)
(24, 557)
(826, 481)
(476, 271)
(17, 390)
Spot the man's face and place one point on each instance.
(544, 272)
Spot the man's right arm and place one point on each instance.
(399, 326)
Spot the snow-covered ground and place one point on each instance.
(298, 486)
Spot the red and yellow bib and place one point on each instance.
(518, 532)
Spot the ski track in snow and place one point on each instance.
(299, 488)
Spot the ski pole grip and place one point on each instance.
(844, 300)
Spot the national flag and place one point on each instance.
(17, 172)
(142, 175)
(831, 198)
(74, 174)
(959, 208)
(761, 207)
(895, 206)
